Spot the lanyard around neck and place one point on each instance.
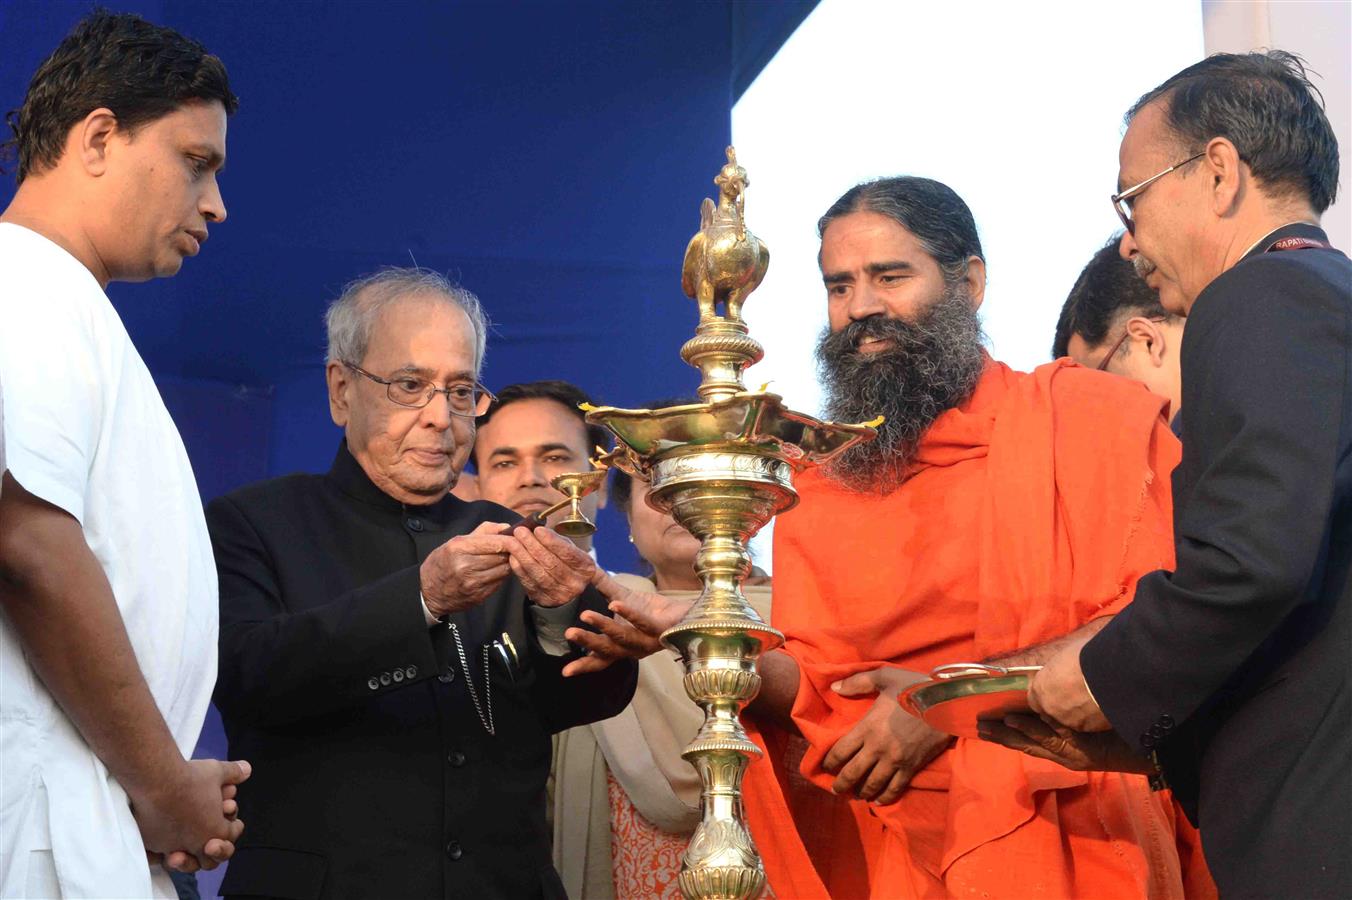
(1297, 243)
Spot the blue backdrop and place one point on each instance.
(550, 155)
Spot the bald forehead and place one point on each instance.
(422, 334)
(395, 309)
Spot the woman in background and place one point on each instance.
(625, 803)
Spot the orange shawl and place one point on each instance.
(1034, 508)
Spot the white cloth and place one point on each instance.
(2, 437)
(551, 623)
(85, 429)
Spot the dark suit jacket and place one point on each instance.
(1235, 667)
(373, 775)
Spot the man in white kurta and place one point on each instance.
(108, 597)
(86, 431)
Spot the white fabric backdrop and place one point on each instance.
(1018, 107)
(1320, 32)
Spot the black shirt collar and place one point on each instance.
(1295, 229)
(352, 480)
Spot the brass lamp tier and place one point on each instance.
(723, 468)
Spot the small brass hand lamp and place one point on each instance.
(574, 486)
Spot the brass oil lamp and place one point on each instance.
(723, 468)
(574, 486)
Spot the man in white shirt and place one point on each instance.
(108, 591)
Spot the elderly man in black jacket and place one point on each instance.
(392, 658)
(1233, 670)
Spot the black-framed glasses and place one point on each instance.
(1123, 208)
(468, 399)
(1126, 333)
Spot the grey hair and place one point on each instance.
(1266, 105)
(350, 317)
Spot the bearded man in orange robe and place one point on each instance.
(997, 516)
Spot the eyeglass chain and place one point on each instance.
(469, 680)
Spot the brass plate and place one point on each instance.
(955, 704)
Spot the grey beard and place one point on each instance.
(933, 366)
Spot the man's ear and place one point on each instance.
(1151, 337)
(1222, 166)
(337, 376)
(90, 138)
(976, 280)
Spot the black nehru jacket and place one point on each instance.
(373, 773)
(1234, 669)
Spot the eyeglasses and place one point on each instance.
(466, 399)
(1126, 333)
(1123, 208)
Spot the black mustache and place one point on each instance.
(874, 328)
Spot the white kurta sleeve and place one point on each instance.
(52, 399)
(2, 437)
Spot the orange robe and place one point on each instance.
(1034, 508)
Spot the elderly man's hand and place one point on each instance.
(1058, 692)
(551, 568)
(1082, 751)
(880, 755)
(462, 572)
(640, 618)
(193, 807)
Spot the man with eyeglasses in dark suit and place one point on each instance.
(392, 656)
(1232, 672)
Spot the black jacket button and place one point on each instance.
(398, 676)
(1148, 741)
(455, 758)
(1167, 721)
(385, 678)
(373, 683)
(454, 850)
(414, 524)
(1157, 731)
(411, 672)
(447, 676)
